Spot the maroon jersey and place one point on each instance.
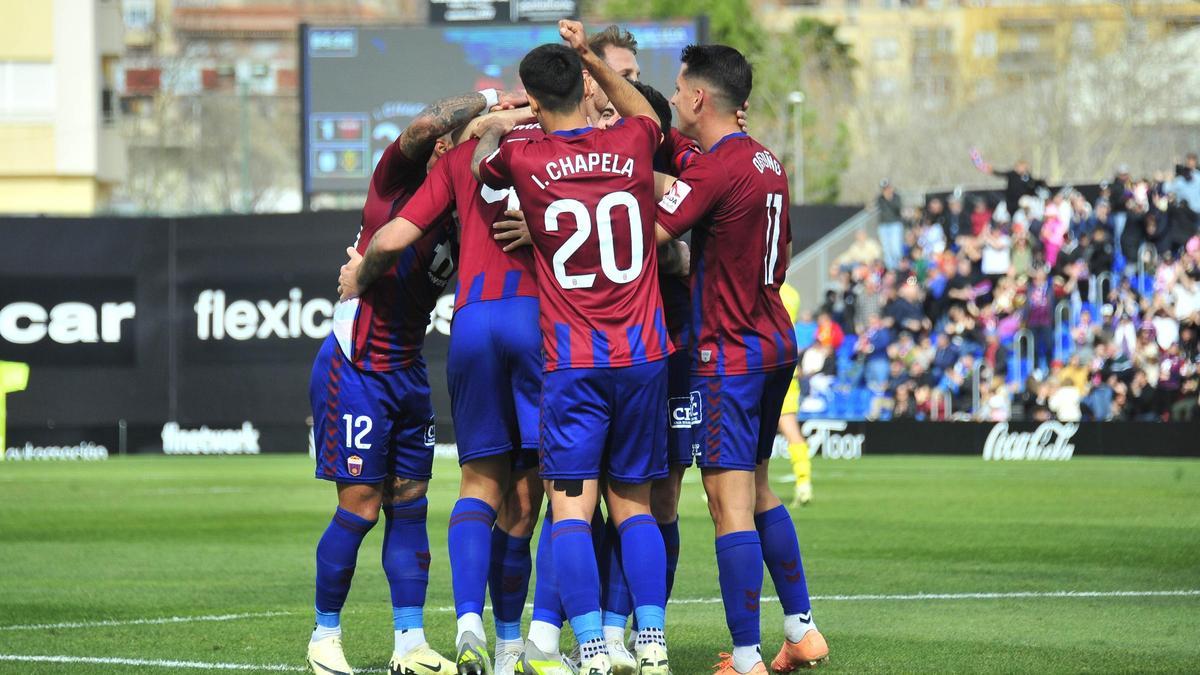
(735, 196)
(588, 195)
(485, 271)
(384, 328)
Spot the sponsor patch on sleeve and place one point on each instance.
(675, 196)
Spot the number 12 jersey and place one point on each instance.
(588, 196)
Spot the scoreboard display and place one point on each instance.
(361, 85)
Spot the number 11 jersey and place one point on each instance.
(588, 196)
(735, 196)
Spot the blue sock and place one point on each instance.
(547, 606)
(739, 561)
(615, 597)
(406, 560)
(670, 535)
(337, 555)
(508, 582)
(642, 549)
(575, 559)
(781, 552)
(470, 544)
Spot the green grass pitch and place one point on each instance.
(133, 541)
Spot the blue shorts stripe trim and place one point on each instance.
(781, 351)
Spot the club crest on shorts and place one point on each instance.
(685, 411)
(354, 465)
(430, 435)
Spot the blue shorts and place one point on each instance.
(682, 410)
(605, 420)
(367, 425)
(738, 416)
(494, 369)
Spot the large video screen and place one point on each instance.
(362, 85)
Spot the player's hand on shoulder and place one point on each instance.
(573, 34)
(513, 229)
(678, 261)
(348, 275)
(741, 116)
(509, 100)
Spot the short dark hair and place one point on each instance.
(662, 107)
(612, 36)
(553, 74)
(722, 67)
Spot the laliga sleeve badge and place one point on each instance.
(430, 435)
(354, 465)
(675, 196)
(706, 355)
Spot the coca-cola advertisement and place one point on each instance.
(1001, 441)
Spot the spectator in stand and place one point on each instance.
(1054, 230)
(1019, 182)
(1039, 317)
(1064, 401)
(863, 251)
(1120, 190)
(1170, 380)
(904, 407)
(891, 224)
(1081, 215)
(829, 333)
(981, 217)
(904, 312)
(869, 297)
(1166, 326)
(1100, 252)
(1075, 373)
(1021, 256)
(872, 351)
(997, 403)
(1186, 185)
(996, 260)
(1101, 219)
(1185, 297)
(957, 223)
(806, 331)
(995, 356)
(1186, 409)
(1139, 405)
(944, 357)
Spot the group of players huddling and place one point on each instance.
(590, 354)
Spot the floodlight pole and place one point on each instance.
(796, 99)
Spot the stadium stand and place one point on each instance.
(1072, 307)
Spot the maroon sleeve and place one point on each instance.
(692, 195)
(494, 170)
(395, 170)
(435, 198)
(683, 150)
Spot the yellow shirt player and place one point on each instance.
(788, 426)
(13, 377)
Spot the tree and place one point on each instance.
(809, 58)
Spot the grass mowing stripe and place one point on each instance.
(142, 622)
(152, 663)
(675, 601)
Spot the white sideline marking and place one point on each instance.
(152, 663)
(142, 622)
(906, 597)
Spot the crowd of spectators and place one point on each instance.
(1035, 305)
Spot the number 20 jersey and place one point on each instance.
(735, 199)
(588, 196)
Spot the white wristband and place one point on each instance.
(491, 97)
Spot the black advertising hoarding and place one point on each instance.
(195, 335)
(1001, 441)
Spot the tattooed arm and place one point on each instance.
(448, 114)
(489, 141)
(360, 271)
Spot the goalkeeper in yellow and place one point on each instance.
(788, 426)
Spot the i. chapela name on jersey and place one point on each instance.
(590, 162)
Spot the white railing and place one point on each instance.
(977, 379)
(946, 407)
(1062, 327)
(1024, 354)
(1097, 293)
(808, 271)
